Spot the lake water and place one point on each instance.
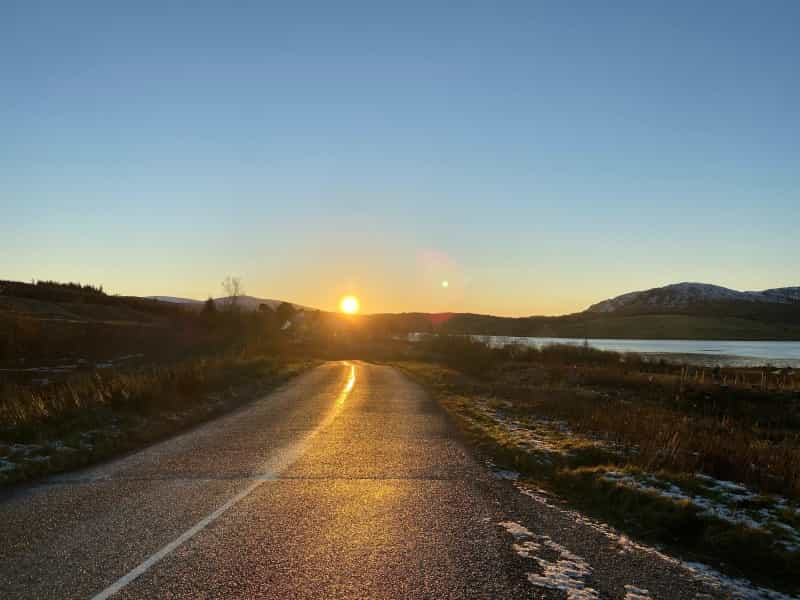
(707, 352)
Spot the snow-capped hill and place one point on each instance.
(679, 295)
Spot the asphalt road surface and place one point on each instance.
(348, 482)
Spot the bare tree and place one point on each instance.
(233, 288)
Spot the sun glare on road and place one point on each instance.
(349, 305)
(348, 387)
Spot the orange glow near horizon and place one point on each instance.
(349, 305)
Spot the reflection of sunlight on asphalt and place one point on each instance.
(280, 460)
(348, 387)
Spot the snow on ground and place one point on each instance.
(566, 572)
(635, 593)
(544, 437)
(739, 589)
(506, 474)
(724, 500)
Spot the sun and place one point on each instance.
(349, 305)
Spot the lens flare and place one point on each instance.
(349, 305)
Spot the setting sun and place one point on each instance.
(349, 305)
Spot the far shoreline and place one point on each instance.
(728, 353)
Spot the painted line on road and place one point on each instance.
(283, 461)
(184, 537)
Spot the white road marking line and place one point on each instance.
(284, 461)
(184, 537)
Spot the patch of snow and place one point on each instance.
(636, 593)
(502, 473)
(568, 572)
(740, 589)
(727, 501)
(516, 530)
(536, 493)
(644, 484)
(544, 437)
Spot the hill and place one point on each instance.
(681, 296)
(47, 321)
(76, 302)
(678, 311)
(245, 302)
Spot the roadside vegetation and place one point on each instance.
(706, 461)
(85, 375)
(48, 429)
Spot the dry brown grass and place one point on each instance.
(668, 436)
(30, 413)
(736, 424)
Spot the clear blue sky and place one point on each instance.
(538, 156)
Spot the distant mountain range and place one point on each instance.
(245, 302)
(674, 298)
(679, 311)
(685, 295)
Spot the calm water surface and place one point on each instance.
(699, 351)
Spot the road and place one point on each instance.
(348, 482)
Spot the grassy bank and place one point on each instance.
(88, 418)
(707, 463)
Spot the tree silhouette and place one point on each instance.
(285, 312)
(233, 289)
